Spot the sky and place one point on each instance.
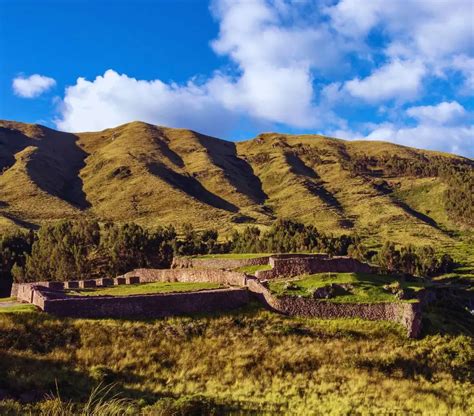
(399, 71)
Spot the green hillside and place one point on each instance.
(155, 175)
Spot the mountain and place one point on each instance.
(156, 175)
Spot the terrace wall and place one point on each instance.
(216, 263)
(144, 306)
(189, 275)
(290, 265)
(153, 305)
(407, 314)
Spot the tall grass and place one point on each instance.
(250, 361)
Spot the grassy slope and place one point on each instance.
(367, 288)
(147, 288)
(251, 360)
(156, 175)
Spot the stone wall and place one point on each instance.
(216, 263)
(152, 305)
(289, 266)
(406, 314)
(50, 296)
(148, 306)
(189, 275)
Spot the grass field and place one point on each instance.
(247, 362)
(253, 269)
(147, 288)
(366, 288)
(9, 305)
(233, 256)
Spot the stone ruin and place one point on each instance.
(240, 289)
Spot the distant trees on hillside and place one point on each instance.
(418, 261)
(287, 236)
(70, 250)
(458, 174)
(14, 249)
(82, 249)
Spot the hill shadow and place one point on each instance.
(317, 188)
(237, 171)
(53, 164)
(19, 222)
(385, 189)
(417, 214)
(298, 167)
(190, 186)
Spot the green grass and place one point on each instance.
(212, 183)
(253, 269)
(147, 288)
(236, 256)
(367, 288)
(250, 361)
(14, 309)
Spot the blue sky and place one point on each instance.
(401, 71)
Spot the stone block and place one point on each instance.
(55, 285)
(84, 284)
(105, 281)
(132, 280)
(73, 284)
(120, 281)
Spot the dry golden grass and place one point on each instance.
(155, 175)
(247, 361)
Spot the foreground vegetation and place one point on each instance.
(247, 361)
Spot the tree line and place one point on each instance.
(458, 174)
(82, 249)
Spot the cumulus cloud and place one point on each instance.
(429, 28)
(297, 64)
(444, 126)
(465, 65)
(396, 80)
(272, 81)
(113, 99)
(433, 36)
(32, 86)
(453, 139)
(442, 113)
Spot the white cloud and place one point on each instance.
(32, 86)
(444, 127)
(465, 65)
(428, 28)
(274, 61)
(453, 139)
(430, 32)
(114, 99)
(400, 80)
(289, 63)
(442, 113)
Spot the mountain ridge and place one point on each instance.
(157, 175)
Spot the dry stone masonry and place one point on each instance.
(217, 263)
(51, 297)
(296, 265)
